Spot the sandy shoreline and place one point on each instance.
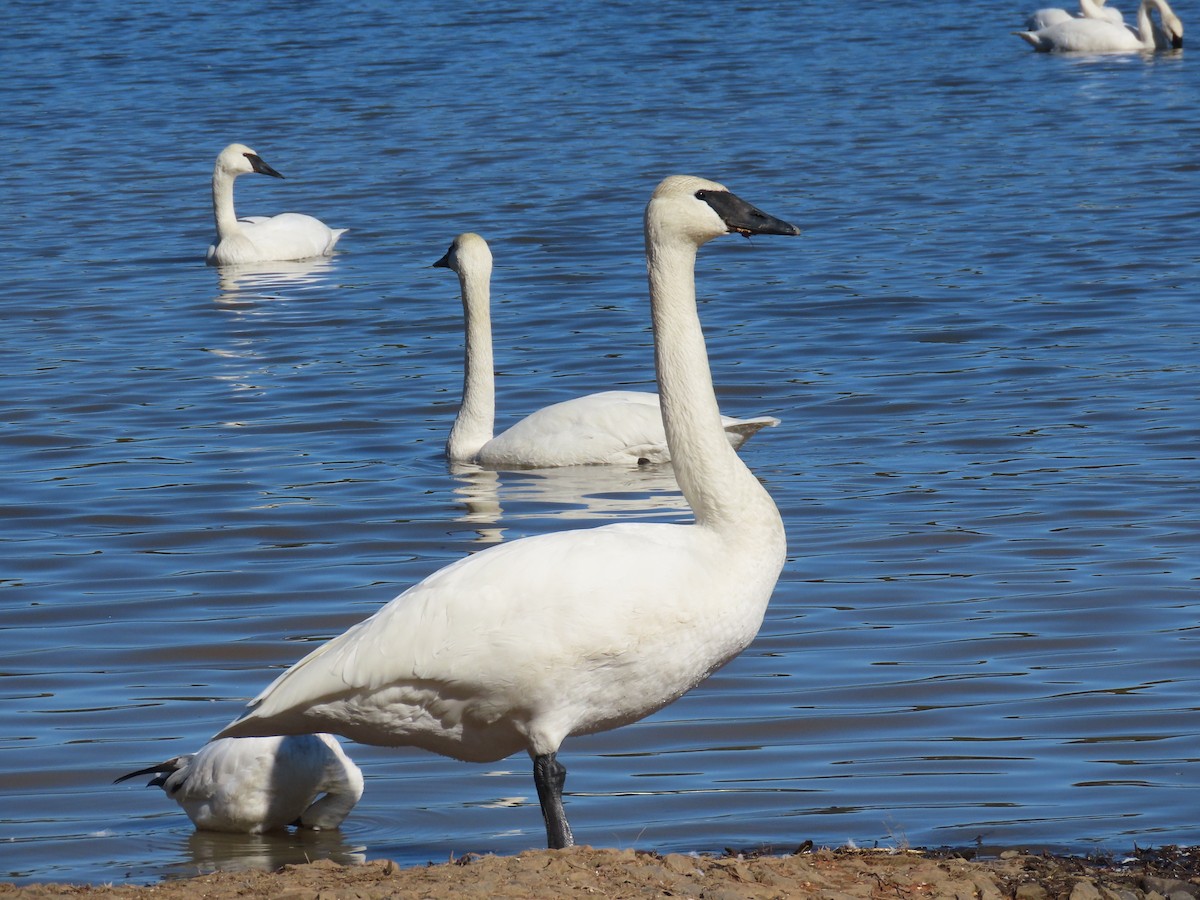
(1168, 872)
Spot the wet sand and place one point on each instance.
(1167, 872)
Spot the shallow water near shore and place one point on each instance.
(983, 351)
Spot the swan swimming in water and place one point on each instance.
(1088, 9)
(523, 644)
(1089, 35)
(618, 427)
(252, 785)
(254, 239)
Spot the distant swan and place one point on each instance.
(288, 236)
(620, 427)
(252, 785)
(525, 643)
(1089, 35)
(1090, 9)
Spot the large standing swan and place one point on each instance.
(525, 643)
(257, 784)
(1090, 35)
(621, 427)
(1088, 9)
(287, 236)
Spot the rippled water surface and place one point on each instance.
(983, 352)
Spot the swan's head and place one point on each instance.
(238, 159)
(683, 205)
(1171, 23)
(468, 253)
(1174, 28)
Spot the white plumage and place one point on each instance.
(256, 784)
(255, 239)
(610, 427)
(525, 643)
(1088, 9)
(1094, 35)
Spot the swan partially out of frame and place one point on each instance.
(257, 784)
(610, 427)
(255, 239)
(1088, 35)
(521, 645)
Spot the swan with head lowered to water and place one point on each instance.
(1092, 35)
(255, 239)
(614, 427)
(252, 785)
(523, 644)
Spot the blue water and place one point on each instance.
(983, 350)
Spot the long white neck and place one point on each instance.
(721, 491)
(1091, 9)
(1146, 24)
(222, 195)
(477, 416)
(329, 811)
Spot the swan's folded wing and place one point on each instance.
(484, 627)
(608, 427)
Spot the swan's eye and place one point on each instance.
(701, 194)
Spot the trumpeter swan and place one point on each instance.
(1097, 36)
(1090, 9)
(288, 236)
(621, 427)
(525, 643)
(257, 784)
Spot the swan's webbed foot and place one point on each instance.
(549, 775)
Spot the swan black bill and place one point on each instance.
(261, 167)
(742, 217)
(160, 772)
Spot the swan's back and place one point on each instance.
(1045, 17)
(609, 427)
(285, 237)
(1090, 9)
(618, 427)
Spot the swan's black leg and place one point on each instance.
(550, 775)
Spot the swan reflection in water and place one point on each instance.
(249, 282)
(212, 851)
(254, 290)
(572, 493)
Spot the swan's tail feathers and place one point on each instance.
(161, 772)
(336, 234)
(738, 431)
(1032, 38)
